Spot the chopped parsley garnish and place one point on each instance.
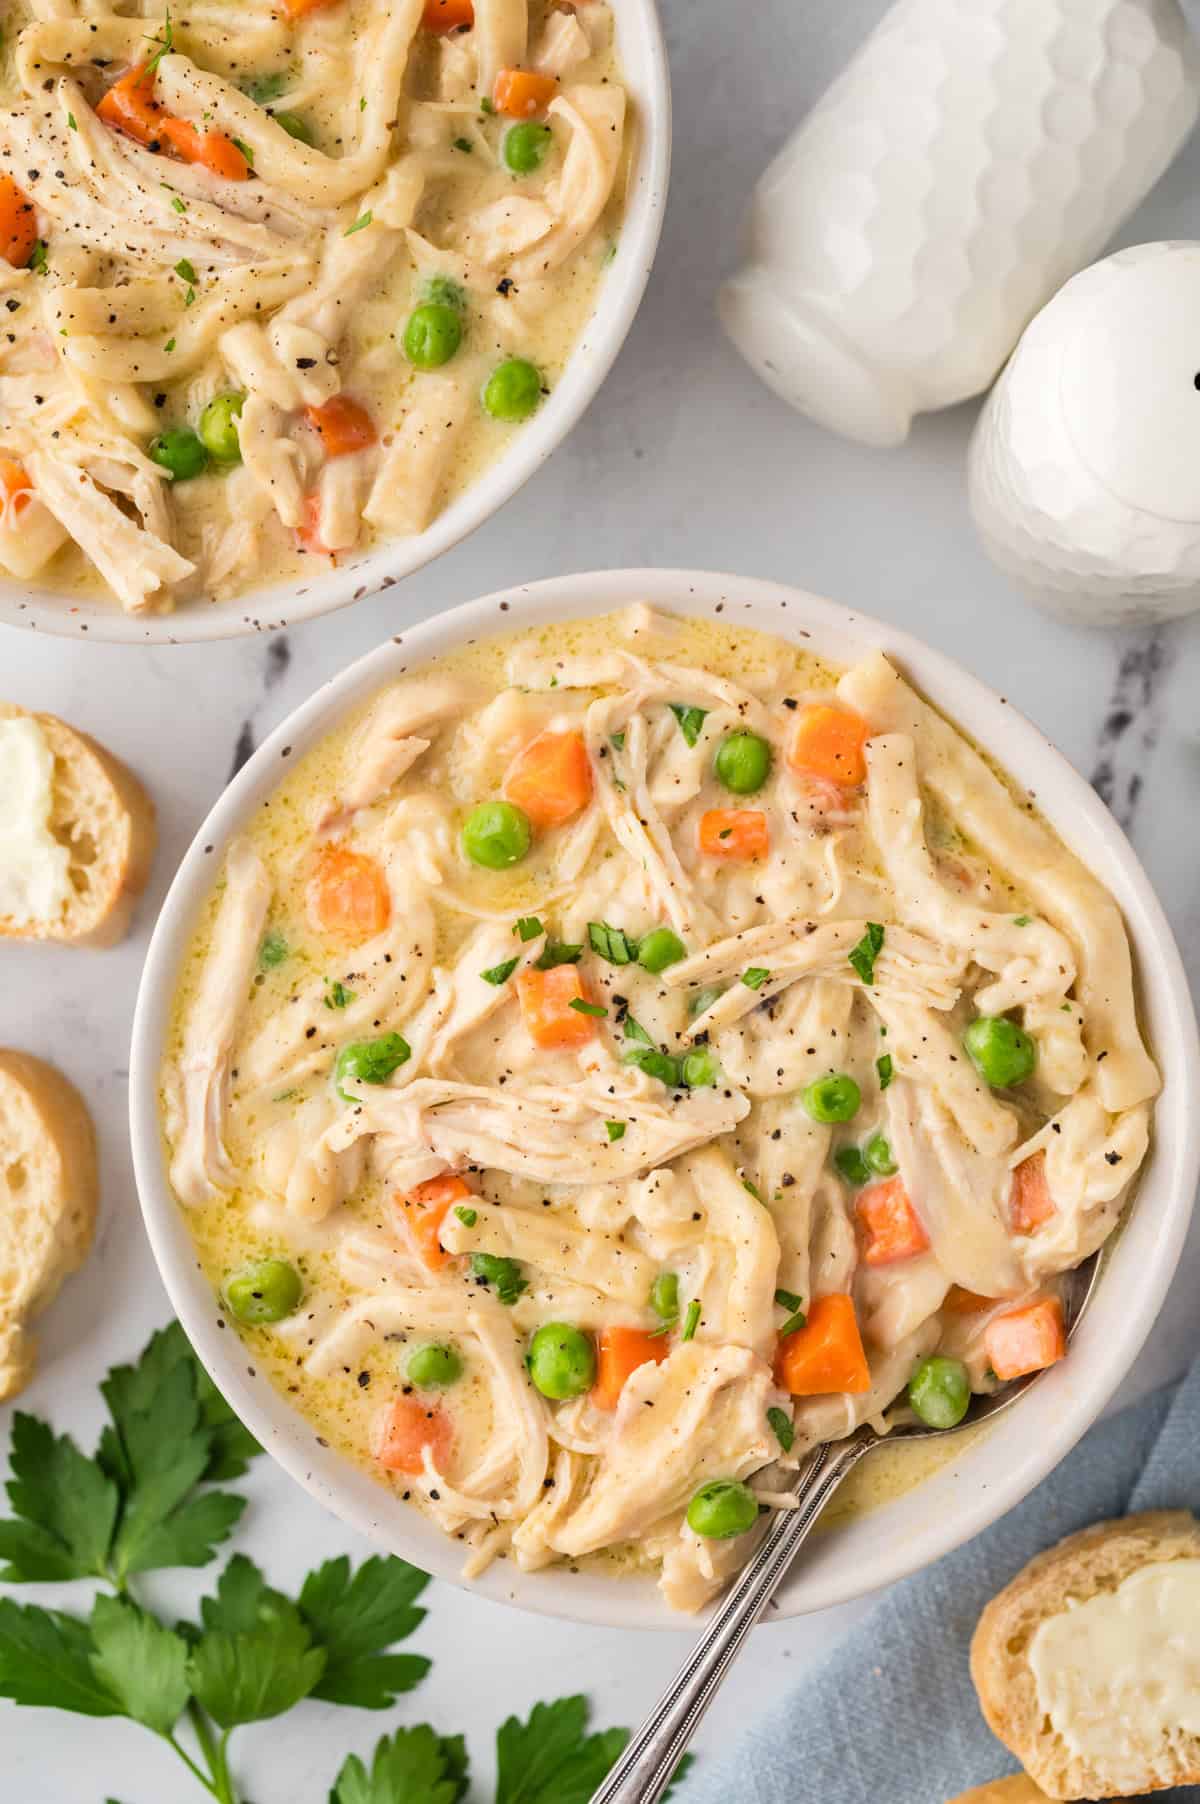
(486, 105)
(884, 1068)
(501, 973)
(360, 224)
(782, 1428)
(863, 956)
(558, 952)
(338, 995)
(463, 144)
(503, 1274)
(269, 87)
(164, 46)
(691, 1321)
(586, 1008)
(635, 1031)
(617, 741)
(528, 927)
(793, 1323)
(1022, 920)
(468, 1217)
(273, 950)
(753, 1189)
(245, 150)
(755, 977)
(690, 720)
(615, 1130)
(612, 943)
(170, 345)
(787, 1299)
(39, 263)
(71, 122)
(179, 205)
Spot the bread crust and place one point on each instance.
(49, 1187)
(1094, 1560)
(120, 824)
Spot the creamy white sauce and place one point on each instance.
(35, 882)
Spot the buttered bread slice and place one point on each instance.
(1088, 1664)
(76, 834)
(1018, 1790)
(48, 1189)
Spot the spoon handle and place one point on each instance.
(644, 1770)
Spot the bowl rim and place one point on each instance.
(997, 1469)
(646, 78)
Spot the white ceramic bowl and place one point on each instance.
(990, 1475)
(644, 70)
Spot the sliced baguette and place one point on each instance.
(1095, 1560)
(48, 1189)
(1020, 1790)
(101, 813)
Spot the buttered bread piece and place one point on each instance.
(76, 834)
(1017, 1790)
(1088, 1664)
(48, 1192)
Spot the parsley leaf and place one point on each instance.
(46, 1660)
(863, 956)
(615, 1130)
(587, 1008)
(67, 1508)
(612, 943)
(755, 977)
(781, 1426)
(499, 974)
(691, 1321)
(258, 1674)
(143, 1664)
(551, 1758)
(164, 46)
(528, 927)
(468, 1217)
(363, 220)
(690, 720)
(353, 1618)
(414, 1766)
(558, 952)
(337, 995)
(187, 273)
(635, 1031)
(505, 1274)
(883, 1067)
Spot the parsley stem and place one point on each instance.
(220, 1785)
(208, 1784)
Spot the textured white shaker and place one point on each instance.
(971, 157)
(1084, 468)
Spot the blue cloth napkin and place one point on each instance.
(891, 1716)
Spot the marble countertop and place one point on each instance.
(683, 459)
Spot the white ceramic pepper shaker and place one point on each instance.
(971, 157)
(1084, 468)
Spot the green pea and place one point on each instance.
(525, 146)
(295, 126)
(664, 1297)
(268, 87)
(940, 1391)
(878, 1155)
(219, 427)
(832, 1098)
(700, 1000)
(264, 1292)
(699, 1068)
(852, 1165)
(433, 1366)
(369, 1061)
(1001, 1052)
(513, 390)
(496, 834)
(180, 452)
(562, 1361)
(659, 949)
(721, 1509)
(742, 763)
(432, 335)
(662, 1065)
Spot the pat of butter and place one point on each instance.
(35, 883)
(1119, 1675)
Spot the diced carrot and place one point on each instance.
(298, 9)
(129, 106)
(890, 1226)
(212, 150)
(426, 1208)
(520, 93)
(546, 998)
(1026, 1340)
(18, 224)
(734, 833)
(344, 426)
(619, 1353)
(309, 530)
(16, 490)
(826, 1355)
(407, 1429)
(348, 894)
(966, 1302)
(551, 778)
(828, 742)
(1030, 1202)
(447, 15)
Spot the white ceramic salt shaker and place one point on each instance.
(971, 157)
(1084, 468)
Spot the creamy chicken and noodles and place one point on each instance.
(280, 278)
(627, 1054)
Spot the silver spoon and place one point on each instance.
(645, 1769)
